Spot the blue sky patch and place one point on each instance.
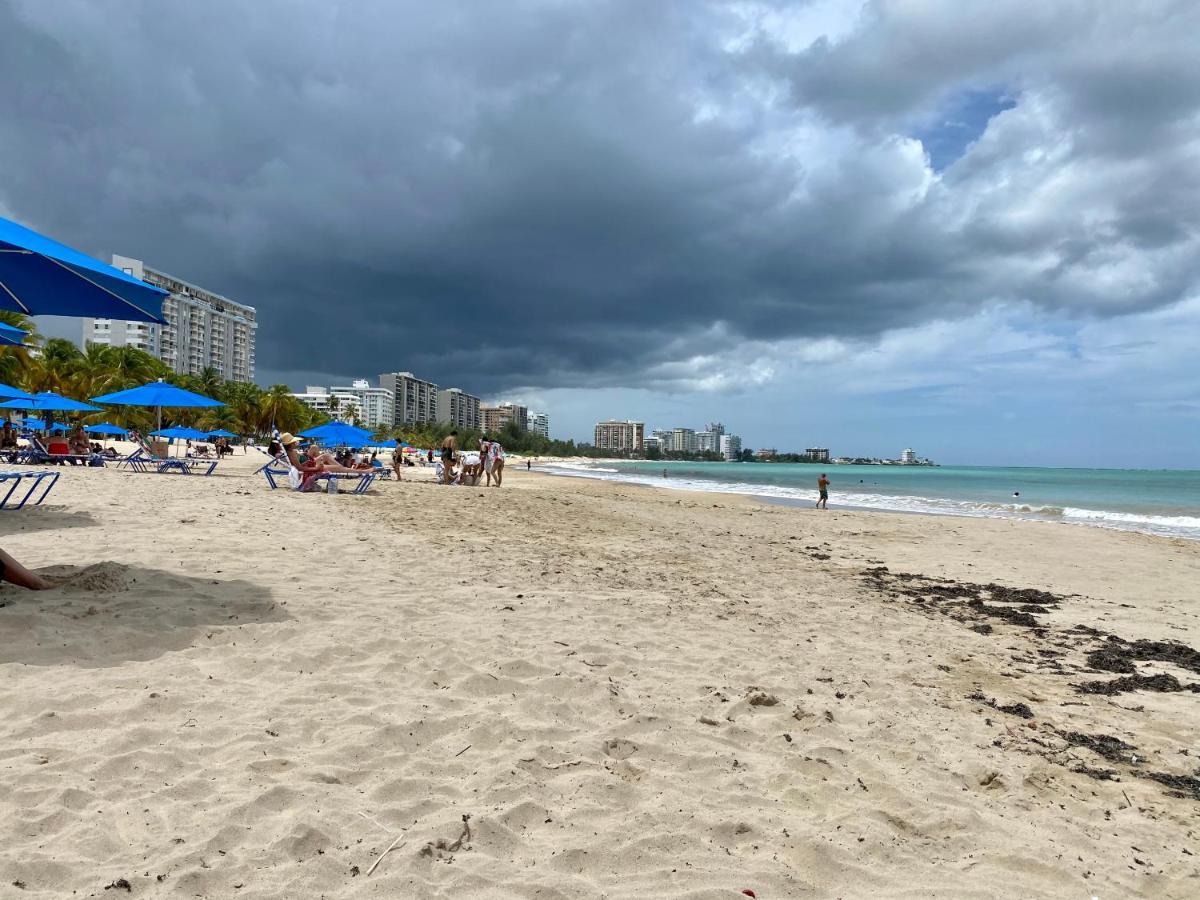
(959, 122)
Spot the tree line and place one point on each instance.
(250, 410)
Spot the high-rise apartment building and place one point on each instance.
(620, 437)
(376, 405)
(539, 424)
(415, 400)
(496, 417)
(203, 330)
(459, 409)
(683, 440)
(731, 447)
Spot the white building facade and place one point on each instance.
(459, 408)
(539, 424)
(415, 400)
(731, 447)
(620, 437)
(376, 405)
(203, 330)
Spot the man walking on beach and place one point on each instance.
(823, 488)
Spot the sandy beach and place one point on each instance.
(567, 688)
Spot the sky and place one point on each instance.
(971, 229)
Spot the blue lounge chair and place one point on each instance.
(275, 475)
(11, 482)
(187, 466)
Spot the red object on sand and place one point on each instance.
(749, 893)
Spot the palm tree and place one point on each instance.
(14, 361)
(274, 406)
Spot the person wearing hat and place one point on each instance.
(315, 463)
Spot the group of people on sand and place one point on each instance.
(453, 465)
(468, 468)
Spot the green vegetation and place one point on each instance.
(62, 367)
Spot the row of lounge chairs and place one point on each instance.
(143, 460)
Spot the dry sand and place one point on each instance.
(630, 692)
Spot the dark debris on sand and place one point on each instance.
(1047, 648)
(1161, 683)
(1119, 655)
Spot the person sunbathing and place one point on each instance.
(315, 460)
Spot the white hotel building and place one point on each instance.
(203, 330)
(373, 407)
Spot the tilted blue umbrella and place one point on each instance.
(106, 428)
(221, 432)
(41, 277)
(391, 443)
(11, 335)
(48, 401)
(338, 433)
(158, 394)
(35, 424)
(182, 432)
(60, 427)
(7, 392)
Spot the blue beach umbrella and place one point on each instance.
(35, 424)
(11, 335)
(106, 428)
(338, 433)
(220, 432)
(391, 443)
(158, 394)
(41, 277)
(180, 432)
(8, 392)
(60, 427)
(48, 401)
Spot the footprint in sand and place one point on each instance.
(619, 748)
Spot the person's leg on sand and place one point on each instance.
(15, 573)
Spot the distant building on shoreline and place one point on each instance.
(460, 409)
(415, 400)
(731, 447)
(766, 452)
(817, 454)
(496, 417)
(203, 330)
(683, 440)
(908, 456)
(539, 424)
(620, 437)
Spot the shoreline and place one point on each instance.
(1131, 522)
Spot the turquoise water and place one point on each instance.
(1156, 502)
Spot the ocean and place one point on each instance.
(1160, 502)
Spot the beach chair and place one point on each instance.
(273, 462)
(275, 475)
(140, 460)
(187, 466)
(12, 483)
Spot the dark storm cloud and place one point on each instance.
(579, 193)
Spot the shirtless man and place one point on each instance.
(449, 451)
(823, 489)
